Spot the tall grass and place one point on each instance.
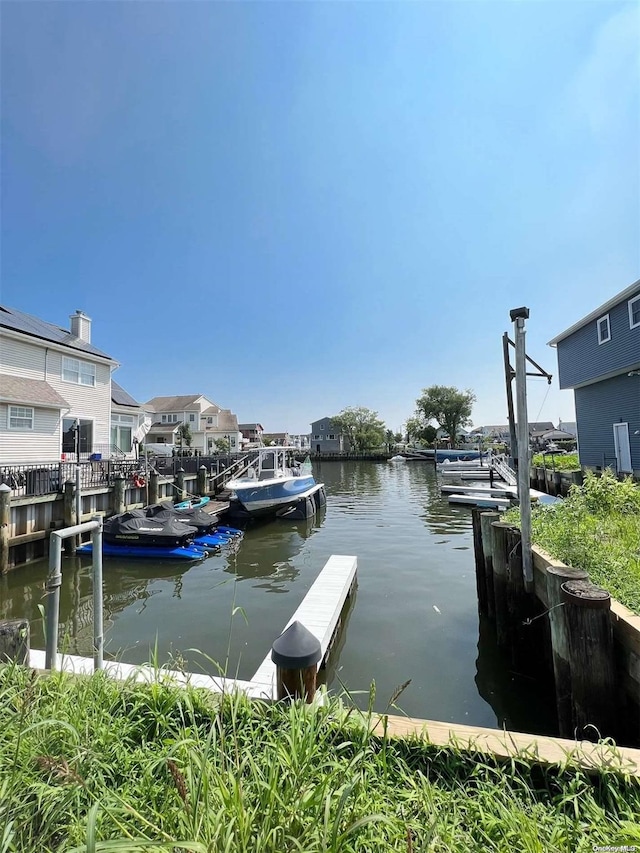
(597, 528)
(87, 764)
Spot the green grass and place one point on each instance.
(567, 462)
(597, 528)
(88, 764)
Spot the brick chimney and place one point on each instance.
(81, 326)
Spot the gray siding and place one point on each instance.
(598, 407)
(582, 359)
(324, 428)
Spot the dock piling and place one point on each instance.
(179, 484)
(481, 582)
(486, 520)
(296, 653)
(15, 641)
(153, 487)
(201, 486)
(118, 496)
(5, 519)
(588, 619)
(556, 576)
(500, 575)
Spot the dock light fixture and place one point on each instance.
(633, 373)
(519, 314)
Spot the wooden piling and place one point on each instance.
(296, 654)
(588, 619)
(14, 641)
(556, 576)
(201, 487)
(519, 605)
(118, 494)
(486, 520)
(179, 494)
(69, 509)
(153, 487)
(296, 683)
(481, 582)
(5, 520)
(500, 577)
(557, 483)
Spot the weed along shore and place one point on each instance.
(89, 763)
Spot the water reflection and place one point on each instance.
(352, 479)
(124, 584)
(269, 549)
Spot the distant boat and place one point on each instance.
(451, 455)
(397, 458)
(272, 482)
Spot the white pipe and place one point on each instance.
(98, 622)
(523, 453)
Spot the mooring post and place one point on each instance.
(518, 603)
(486, 520)
(481, 581)
(500, 575)
(98, 620)
(15, 641)
(69, 510)
(556, 576)
(153, 487)
(201, 487)
(588, 619)
(5, 520)
(518, 317)
(118, 494)
(296, 653)
(179, 484)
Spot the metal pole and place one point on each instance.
(98, 627)
(54, 581)
(508, 376)
(523, 445)
(78, 540)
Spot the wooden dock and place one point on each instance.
(319, 612)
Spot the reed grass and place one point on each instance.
(88, 764)
(596, 528)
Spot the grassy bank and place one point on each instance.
(597, 528)
(567, 462)
(91, 765)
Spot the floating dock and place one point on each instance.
(319, 612)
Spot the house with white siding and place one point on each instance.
(55, 389)
(207, 422)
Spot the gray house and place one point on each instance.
(325, 438)
(599, 357)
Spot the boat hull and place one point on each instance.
(260, 498)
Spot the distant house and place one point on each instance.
(55, 389)
(301, 441)
(599, 358)
(569, 426)
(500, 432)
(208, 422)
(251, 434)
(281, 439)
(327, 438)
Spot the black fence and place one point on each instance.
(49, 477)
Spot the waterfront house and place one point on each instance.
(327, 438)
(129, 423)
(599, 358)
(207, 421)
(251, 434)
(55, 389)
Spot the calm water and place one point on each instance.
(414, 615)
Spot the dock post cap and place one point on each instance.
(4, 487)
(569, 573)
(582, 593)
(296, 648)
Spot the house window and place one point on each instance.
(77, 435)
(78, 372)
(316, 437)
(604, 330)
(20, 417)
(634, 312)
(332, 436)
(164, 419)
(321, 427)
(192, 418)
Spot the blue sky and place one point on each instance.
(296, 207)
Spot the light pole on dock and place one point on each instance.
(518, 317)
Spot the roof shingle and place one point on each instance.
(16, 389)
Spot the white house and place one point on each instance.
(55, 389)
(207, 421)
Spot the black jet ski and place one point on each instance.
(134, 528)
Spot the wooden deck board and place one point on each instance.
(319, 611)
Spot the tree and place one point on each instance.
(449, 407)
(184, 434)
(418, 430)
(221, 445)
(362, 427)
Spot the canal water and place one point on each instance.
(413, 618)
